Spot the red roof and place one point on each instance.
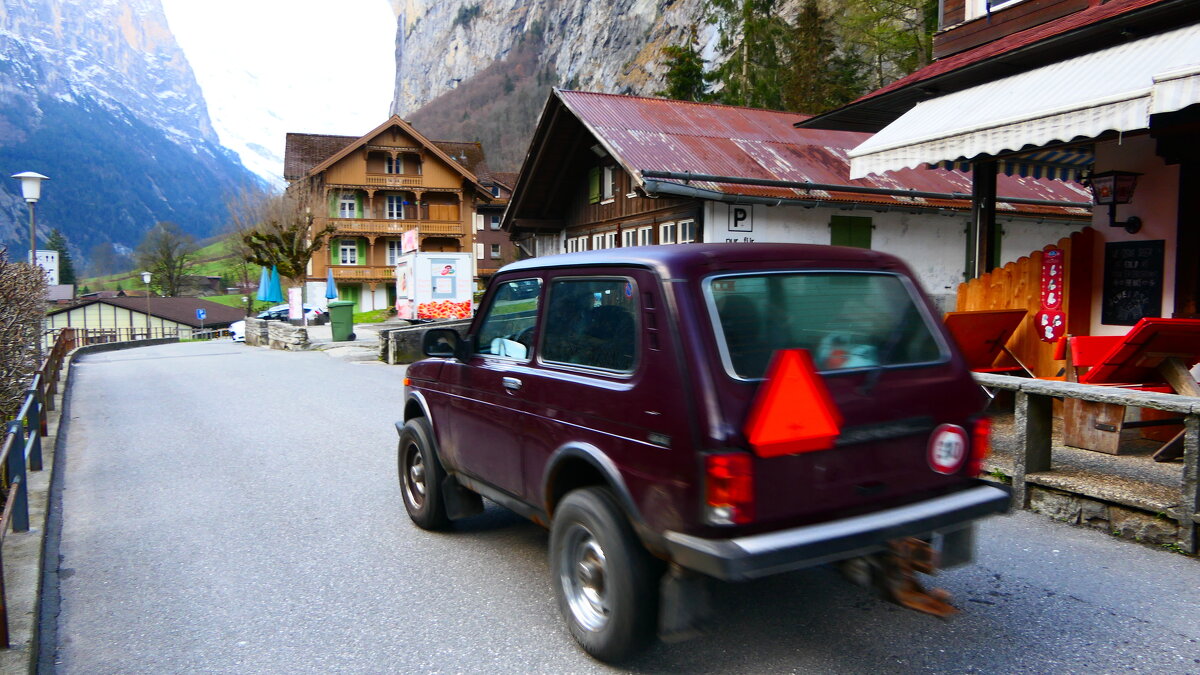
(1008, 43)
(650, 134)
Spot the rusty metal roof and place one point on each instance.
(651, 134)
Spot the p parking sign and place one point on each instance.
(201, 314)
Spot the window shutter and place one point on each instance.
(850, 231)
(594, 185)
(358, 205)
(362, 251)
(334, 196)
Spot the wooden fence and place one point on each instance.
(1018, 285)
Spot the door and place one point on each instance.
(486, 439)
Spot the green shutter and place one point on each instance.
(594, 185)
(358, 207)
(333, 202)
(850, 231)
(362, 251)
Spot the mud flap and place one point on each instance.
(894, 574)
(685, 605)
(460, 502)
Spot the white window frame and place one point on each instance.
(686, 230)
(629, 238)
(610, 239)
(478, 251)
(394, 207)
(395, 250)
(979, 8)
(608, 183)
(495, 251)
(495, 222)
(348, 252)
(597, 242)
(645, 235)
(666, 233)
(347, 203)
(394, 166)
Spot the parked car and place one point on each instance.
(237, 331)
(628, 407)
(316, 315)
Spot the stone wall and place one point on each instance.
(256, 332)
(281, 335)
(1077, 509)
(403, 345)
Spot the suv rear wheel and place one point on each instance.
(421, 476)
(603, 577)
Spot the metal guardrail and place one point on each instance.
(1033, 426)
(21, 450)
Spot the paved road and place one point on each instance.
(229, 509)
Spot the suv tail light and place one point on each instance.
(728, 488)
(981, 446)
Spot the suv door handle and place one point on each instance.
(511, 383)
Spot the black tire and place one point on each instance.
(603, 577)
(421, 476)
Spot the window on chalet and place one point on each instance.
(495, 251)
(610, 239)
(347, 252)
(394, 207)
(395, 249)
(394, 164)
(978, 8)
(347, 205)
(495, 225)
(608, 182)
(687, 231)
(666, 233)
(629, 237)
(645, 236)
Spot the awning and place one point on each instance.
(1114, 89)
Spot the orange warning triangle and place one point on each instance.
(793, 411)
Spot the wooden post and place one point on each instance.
(1189, 497)
(1033, 424)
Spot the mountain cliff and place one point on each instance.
(98, 96)
(481, 69)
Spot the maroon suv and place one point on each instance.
(605, 395)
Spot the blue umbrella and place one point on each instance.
(275, 288)
(330, 287)
(264, 285)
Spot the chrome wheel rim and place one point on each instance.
(583, 574)
(414, 476)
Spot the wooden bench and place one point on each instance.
(1153, 356)
(983, 335)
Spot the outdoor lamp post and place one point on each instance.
(146, 280)
(1110, 188)
(31, 190)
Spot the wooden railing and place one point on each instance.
(394, 180)
(21, 449)
(361, 272)
(1033, 423)
(441, 222)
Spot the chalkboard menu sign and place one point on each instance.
(1133, 280)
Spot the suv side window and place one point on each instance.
(507, 330)
(591, 322)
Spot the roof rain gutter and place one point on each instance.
(655, 186)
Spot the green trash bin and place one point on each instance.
(341, 320)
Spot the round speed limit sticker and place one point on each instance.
(947, 448)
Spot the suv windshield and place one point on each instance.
(844, 320)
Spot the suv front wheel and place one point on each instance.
(421, 476)
(603, 577)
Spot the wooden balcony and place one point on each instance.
(394, 180)
(441, 226)
(363, 273)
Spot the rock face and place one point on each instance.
(98, 96)
(597, 46)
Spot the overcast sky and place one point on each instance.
(268, 67)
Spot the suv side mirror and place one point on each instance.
(443, 343)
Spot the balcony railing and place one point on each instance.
(394, 180)
(441, 225)
(364, 272)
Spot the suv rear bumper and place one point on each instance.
(770, 553)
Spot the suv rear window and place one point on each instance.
(845, 320)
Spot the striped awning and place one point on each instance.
(1114, 89)
(1061, 164)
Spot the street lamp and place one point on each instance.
(31, 190)
(1110, 188)
(146, 280)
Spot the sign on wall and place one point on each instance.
(741, 218)
(1133, 281)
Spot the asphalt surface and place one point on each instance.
(230, 509)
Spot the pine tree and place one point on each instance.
(752, 39)
(818, 77)
(894, 37)
(685, 77)
(66, 268)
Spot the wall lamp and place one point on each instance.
(1110, 188)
